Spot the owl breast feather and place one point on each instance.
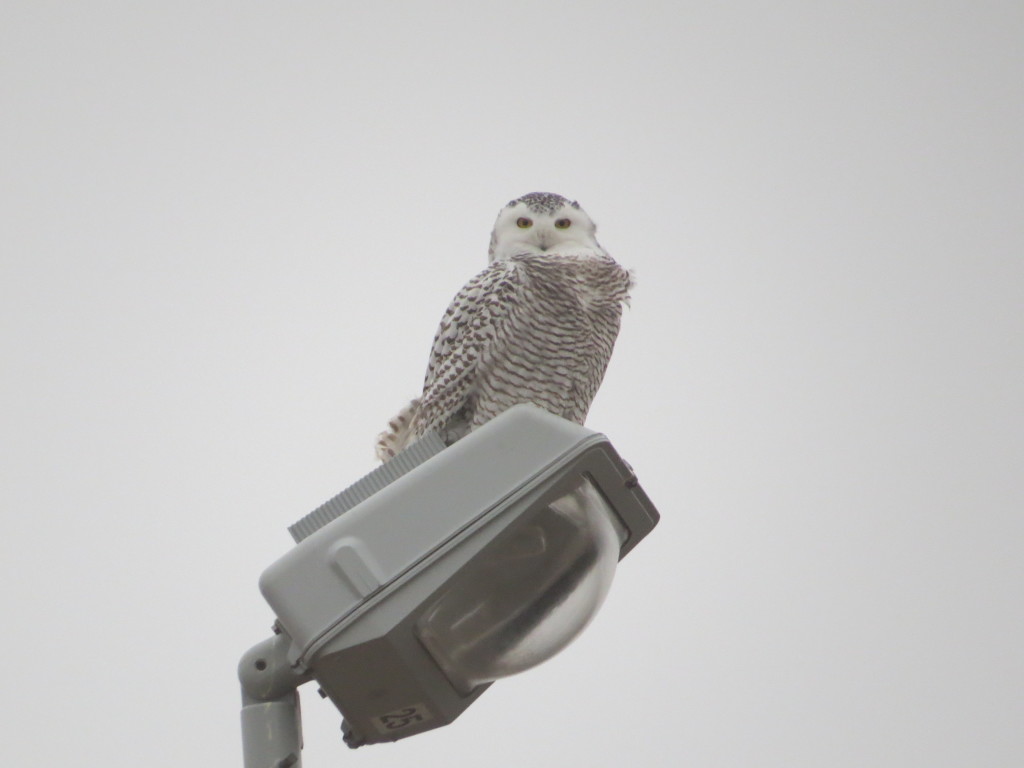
(551, 341)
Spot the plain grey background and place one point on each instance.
(229, 230)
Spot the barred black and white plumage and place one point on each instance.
(536, 326)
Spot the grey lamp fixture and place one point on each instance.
(438, 573)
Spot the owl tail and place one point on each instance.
(399, 434)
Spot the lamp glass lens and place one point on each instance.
(529, 593)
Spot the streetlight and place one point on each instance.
(438, 573)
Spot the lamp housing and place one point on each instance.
(450, 567)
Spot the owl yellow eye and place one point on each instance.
(524, 223)
(562, 223)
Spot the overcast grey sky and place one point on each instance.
(229, 230)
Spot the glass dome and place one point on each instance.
(528, 594)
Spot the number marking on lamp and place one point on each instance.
(402, 718)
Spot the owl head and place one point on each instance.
(539, 223)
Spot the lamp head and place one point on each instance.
(449, 568)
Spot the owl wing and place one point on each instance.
(467, 332)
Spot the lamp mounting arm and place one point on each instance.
(271, 721)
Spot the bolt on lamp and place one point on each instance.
(441, 571)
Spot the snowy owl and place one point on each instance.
(536, 326)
